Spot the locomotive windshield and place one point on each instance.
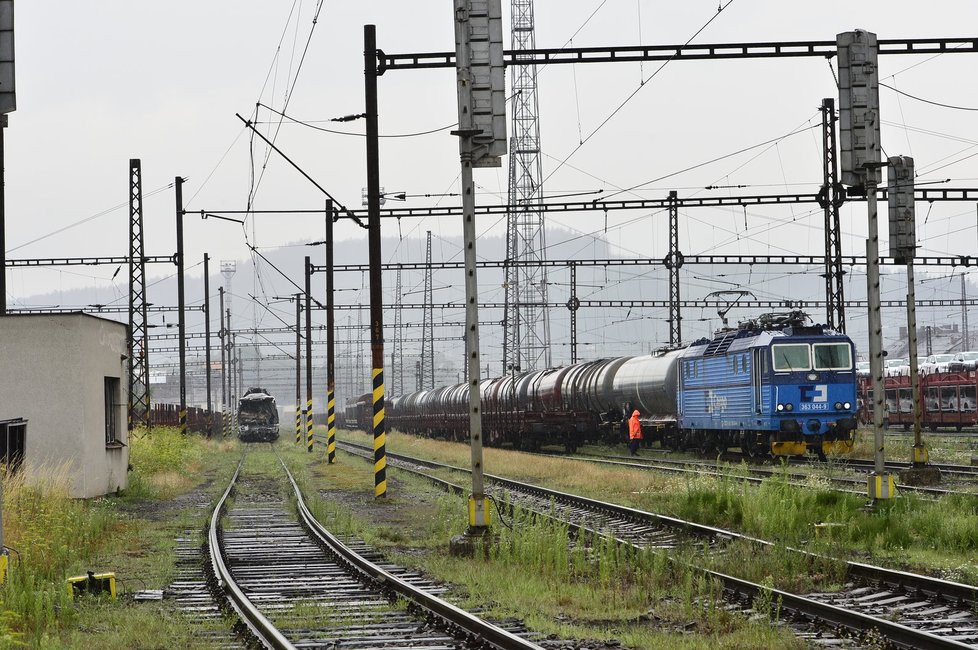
(793, 356)
(832, 356)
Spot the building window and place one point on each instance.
(112, 403)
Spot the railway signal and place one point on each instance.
(860, 157)
(903, 244)
(481, 130)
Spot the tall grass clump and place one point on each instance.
(52, 535)
(820, 518)
(163, 461)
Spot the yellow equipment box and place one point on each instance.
(93, 583)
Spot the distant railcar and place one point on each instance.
(948, 399)
(257, 417)
(358, 413)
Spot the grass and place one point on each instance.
(910, 532)
(942, 448)
(131, 534)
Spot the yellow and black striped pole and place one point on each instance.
(330, 342)
(374, 255)
(227, 423)
(330, 426)
(183, 420)
(298, 368)
(380, 435)
(298, 422)
(309, 426)
(308, 354)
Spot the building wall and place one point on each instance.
(52, 372)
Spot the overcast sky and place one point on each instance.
(101, 82)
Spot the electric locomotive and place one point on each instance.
(772, 385)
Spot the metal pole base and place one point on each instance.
(478, 511)
(880, 486)
(920, 475)
(472, 540)
(478, 534)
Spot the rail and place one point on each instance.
(263, 630)
(446, 611)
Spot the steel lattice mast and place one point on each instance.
(427, 369)
(138, 335)
(526, 336)
(397, 351)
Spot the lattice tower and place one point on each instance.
(427, 326)
(526, 335)
(138, 335)
(397, 350)
(228, 269)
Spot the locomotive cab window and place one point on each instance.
(832, 356)
(791, 356)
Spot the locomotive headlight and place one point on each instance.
(780, 407)
(812, 376)
(789, 407)
(847, 406)
(838, 406)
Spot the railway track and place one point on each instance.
(966, 472)
(963, 472)
(907, 610)
(756, 474)
(292, 584)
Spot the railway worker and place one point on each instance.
(634, 433)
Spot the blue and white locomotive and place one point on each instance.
(773, 385)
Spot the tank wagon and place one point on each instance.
(257, 416)
(771, 385)
(358, 413)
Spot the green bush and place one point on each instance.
(163, 449)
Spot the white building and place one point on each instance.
(67, 376)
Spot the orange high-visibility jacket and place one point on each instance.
(634, 427)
